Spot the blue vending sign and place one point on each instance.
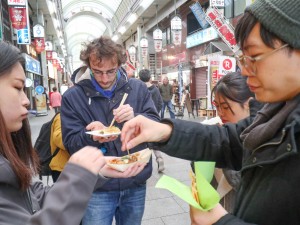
(23, 37)
(39, 89)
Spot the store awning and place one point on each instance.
(217, 46)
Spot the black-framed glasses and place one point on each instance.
(248, 62)
(109, 73)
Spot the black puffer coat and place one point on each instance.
(269, 193)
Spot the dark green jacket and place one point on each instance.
(269, 193)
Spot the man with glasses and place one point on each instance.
(92, 104)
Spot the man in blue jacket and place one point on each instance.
(92, 103)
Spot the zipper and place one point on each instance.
(30, 202)
(271, 143)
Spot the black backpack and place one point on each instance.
(43, 148)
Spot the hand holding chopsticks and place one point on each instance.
(122, 102)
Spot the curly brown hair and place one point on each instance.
(103, 48)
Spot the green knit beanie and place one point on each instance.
(281, 17)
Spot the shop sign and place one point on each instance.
(23, 37)
(16, 2)
(48, 46)
(39, 89)
(217, 3)
(38, 31)
(49, 55)
(201, 37)
(223, 27)
(18, 17)
(30, 50)
(176, 23)
(176, 37)
(32, 65)
(199, 14)
(39, 44)
(227, 64)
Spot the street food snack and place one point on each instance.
(106, 132)
(122, 163)
(194, 187)
(110, 130)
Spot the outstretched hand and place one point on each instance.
(141, 129)
(207, 218)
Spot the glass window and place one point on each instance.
(239, 7)
(228, 9)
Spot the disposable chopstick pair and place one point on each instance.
(122, 102)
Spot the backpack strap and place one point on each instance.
(55, 152)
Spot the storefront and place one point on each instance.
(34, 77)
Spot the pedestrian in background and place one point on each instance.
(266, 151)
(157, 100)
(166, 91)
(92, 104)
(55, 99)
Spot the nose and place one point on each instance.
(25, 100)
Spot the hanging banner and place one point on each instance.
(158, 45)
(48, 46)
(39, 44)
(199, 14)
(223, 27)
(18, 17)
(38, 31)
(23, 37)
(16, 2)
(49, 55)
(176, 37)
(144, 52)
(217, 3)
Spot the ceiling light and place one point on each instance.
(132, 18)
(122, 29)
(115, 37)
(146, 3)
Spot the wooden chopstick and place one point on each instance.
(122, 102)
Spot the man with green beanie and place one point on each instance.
(269, 37)
(266, 150)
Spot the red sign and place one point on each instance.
(39, 44)
(54, 62)
(18, 17)
(48, 55)
(222, 26)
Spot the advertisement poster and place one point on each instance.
(223, 27)
(41, 104)
(213, 76)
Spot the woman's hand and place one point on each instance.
(141, 129)
(129, 172)
(199, 217)
(89, 158)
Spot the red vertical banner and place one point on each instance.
(18, 17)
(49, 55)
(39, 44)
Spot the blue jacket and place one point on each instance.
(82, 104)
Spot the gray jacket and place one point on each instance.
(64, 203)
